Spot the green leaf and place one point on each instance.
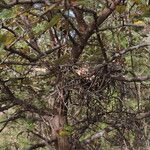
(54, 20)
(40, 27)
(68, 128)
(7, 14)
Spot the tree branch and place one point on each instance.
(18, 2)
(129, 50)
(100, 19)
(35, 146)
(135, 79)
(24, 104)
(21, 54)
(97, 135)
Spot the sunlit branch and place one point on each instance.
(135, 79)
(122, 52)
(121, 26)
(23, 55)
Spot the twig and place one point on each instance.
(135, 79)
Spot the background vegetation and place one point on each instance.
(74, 74)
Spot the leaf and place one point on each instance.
(6, 39)
(48, 8)
(54, 20)
(146, 10)
(9, 38)
(68, 128)
(136, 1)
(2, 39)
(121, 8)
(64, 133)
(139, 23)
(7, 14)
(80, 2)
(40, 27)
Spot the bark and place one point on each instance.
(57, 125)
(59, 120)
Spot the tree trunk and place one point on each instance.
(57, 126)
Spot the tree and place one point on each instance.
(74, 74)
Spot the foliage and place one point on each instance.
(74, 74)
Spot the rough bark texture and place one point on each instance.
(57, 124)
